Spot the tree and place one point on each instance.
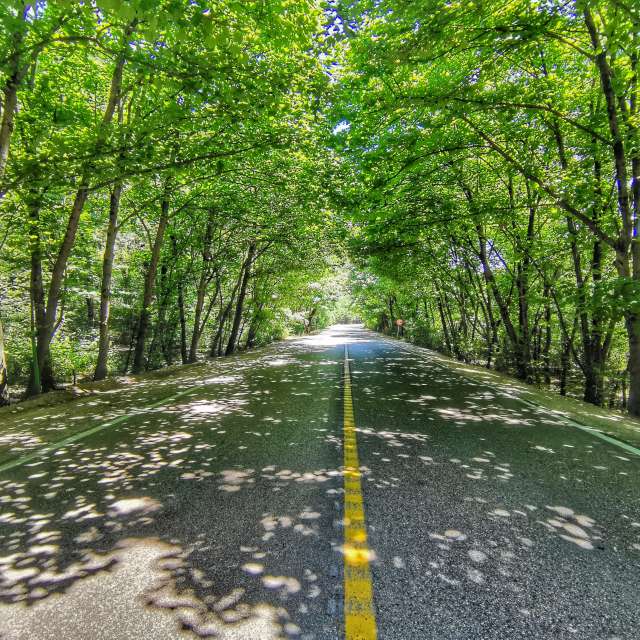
(464, 117)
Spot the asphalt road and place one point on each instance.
(220, 513)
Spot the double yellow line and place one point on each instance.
(359, 614)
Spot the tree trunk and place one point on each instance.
(46, 332)
(4, 382)
(205, 279)
(222, 318)
(17, 69)
(183, 324)
(522, 284)
(546, 349)
(307, 328)
(235, 327)
(198, 328)
(564, 366)
(149, 284)
(522, 363)
(632, 323)
(159, 330)
(105, 288)
(627, 249)
(10, 103)
(41, 378)
(18, 62)
(197, 315)
(443, 322)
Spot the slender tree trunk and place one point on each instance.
(632, 323)
(10, 102)
(168, 340)
(183, 324)
(627, 249)
(132, 341)
(613, 393)
(205, 279)
(217, 338)
(491, 329)
(390, 304)
(522, 364)
(445, 328)
(159, 328)
(9, 105)
(453, 331)
(41, 378)
(546, 349)
(105, 288)
(197, 314)
(233, 336)
(17, 69)
(57, 274)
(523, 268)
(149, 284)
(216, 343)
(307, 328)
(18, 62)
(564, 367)
(4, 381)
(91, 312)
(198, 328)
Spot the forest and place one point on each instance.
(183, 179)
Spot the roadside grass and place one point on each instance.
(610, 422)
(31, 424)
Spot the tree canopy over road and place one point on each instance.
(185, 177)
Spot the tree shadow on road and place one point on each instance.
(208, 515)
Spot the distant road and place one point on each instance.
(220, 511)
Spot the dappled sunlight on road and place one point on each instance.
(26, 428)
(222, 510)
(493, 502)
(157, 496)
(337, 335)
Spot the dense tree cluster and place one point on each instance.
(159, 184)
(493, 162)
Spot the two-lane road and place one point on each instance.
(221, 513)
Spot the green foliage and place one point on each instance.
(485, 128)
(203, 104)
(474, 164)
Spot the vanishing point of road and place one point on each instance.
(341, 485)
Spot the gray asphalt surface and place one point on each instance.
(219, 514)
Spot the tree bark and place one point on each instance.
(46, 332)
(627, 246)
(183, 324)
(41, 378)
(632, 323)
(105, 288)
(205, 279)
(546, 349)
(233, 336)
(216, 343)
(443, 322)
(4, 380)
(522, 283)
(149, 284)
(522, 364)
(17, 70)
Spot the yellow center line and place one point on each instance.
(359, 614)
